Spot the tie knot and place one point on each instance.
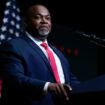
(44, 45)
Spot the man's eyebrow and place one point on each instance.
(41, 14)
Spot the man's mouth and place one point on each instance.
(43, 28)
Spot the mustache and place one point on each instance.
(43, 26)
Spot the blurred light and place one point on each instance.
(75, 52)
(68, 51)
(62, 48)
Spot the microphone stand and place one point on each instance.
(92, 38)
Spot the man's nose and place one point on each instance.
(43, 20)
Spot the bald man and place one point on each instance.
(27, 72)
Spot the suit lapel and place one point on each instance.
(36, 48)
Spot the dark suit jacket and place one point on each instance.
(25, 70)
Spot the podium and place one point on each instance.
(90, 91)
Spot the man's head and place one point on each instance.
(38, 20)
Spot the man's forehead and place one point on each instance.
(39, 9)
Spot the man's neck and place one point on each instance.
(37, 36)
(40, 38)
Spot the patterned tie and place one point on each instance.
(52, 61)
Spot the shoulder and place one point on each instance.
(14, 43)
(10, 42)
(18, 41)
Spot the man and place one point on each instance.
(26, 67)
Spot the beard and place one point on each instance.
(43, 32)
